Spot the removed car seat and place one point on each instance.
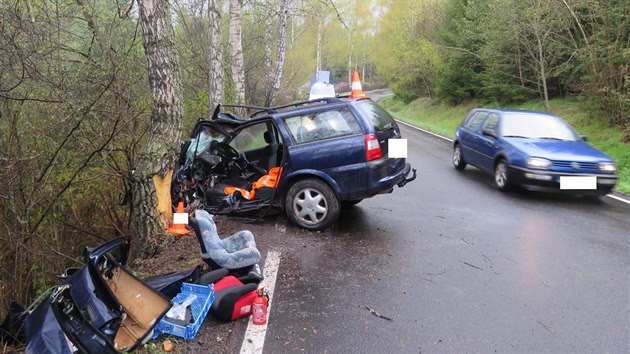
(237, 253)
(232, 298)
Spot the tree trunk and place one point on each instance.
(541, 56)
(238, 66)
(158, 156)
(268, 80)
(215, 55)
(277, 78)
(320, 26)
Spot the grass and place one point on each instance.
(444, 119)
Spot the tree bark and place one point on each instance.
(159, 153)
(238, 66)
(267, 55)
(277, 78)
(320, 28)
(215, 55)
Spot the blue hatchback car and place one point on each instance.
(308, 158)
(535, 150)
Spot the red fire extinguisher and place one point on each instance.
(259, 309)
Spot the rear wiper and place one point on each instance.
(515, 136)
(549, 138)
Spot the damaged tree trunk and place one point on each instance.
(156, 160)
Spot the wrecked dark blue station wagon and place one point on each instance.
(308, 158)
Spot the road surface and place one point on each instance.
(449, 264)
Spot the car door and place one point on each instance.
(259, 142)
(487, 144)
(471, 137)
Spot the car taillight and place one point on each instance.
(372, 147)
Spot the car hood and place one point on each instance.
(560, 150)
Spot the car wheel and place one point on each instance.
(458, 159)
(501, 176)
(311, 204)
(350, 203)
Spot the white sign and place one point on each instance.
(397, 148)
(180, 218)
(578, 182)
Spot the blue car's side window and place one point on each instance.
(491, 123)
(476, 120)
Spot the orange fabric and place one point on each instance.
(246, 194)
(269, 180)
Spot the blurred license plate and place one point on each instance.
(578, 182)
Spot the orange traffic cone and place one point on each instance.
(357, 91)
(180, 219)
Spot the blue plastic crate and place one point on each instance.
(199, 309)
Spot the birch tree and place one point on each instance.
(154, 165)
(215, 55)
(279, 67)
(236, 45)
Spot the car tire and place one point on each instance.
(311, 204)
(501, 176)
(350, 203)
(458, 158)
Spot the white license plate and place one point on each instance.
(578, 182)
(397, 148)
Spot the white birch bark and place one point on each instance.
(215, 55)
(236, 44)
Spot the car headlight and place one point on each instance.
(607, 166)
(538, 162)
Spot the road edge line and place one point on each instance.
(424, 130)
(254, 339)
(621, 199)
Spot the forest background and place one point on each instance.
(77, 106)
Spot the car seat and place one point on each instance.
(232, 298)
(271, 152)
(237, 253)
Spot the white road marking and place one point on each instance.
(451, 140)
(254, 340)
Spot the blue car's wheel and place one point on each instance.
(501, 176)
(311, 204)
(458, 159)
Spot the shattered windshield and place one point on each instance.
(202, 141)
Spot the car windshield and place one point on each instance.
(536, 126)
(202, 141)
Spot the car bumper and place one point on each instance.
(549, 181)
(384, 175)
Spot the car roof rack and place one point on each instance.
(275, 109)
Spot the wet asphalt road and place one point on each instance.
(458, 267)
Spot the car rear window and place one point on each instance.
(322, 125)
(378, 117)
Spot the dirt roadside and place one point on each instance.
(183, 252)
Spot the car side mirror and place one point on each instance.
(489, 132)
(584, 137)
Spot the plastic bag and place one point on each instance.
(178, 311)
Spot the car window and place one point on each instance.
(322, 125)
(476, 120)
(380, 119)
(492, 122)
(250, 138)
(536, 126)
